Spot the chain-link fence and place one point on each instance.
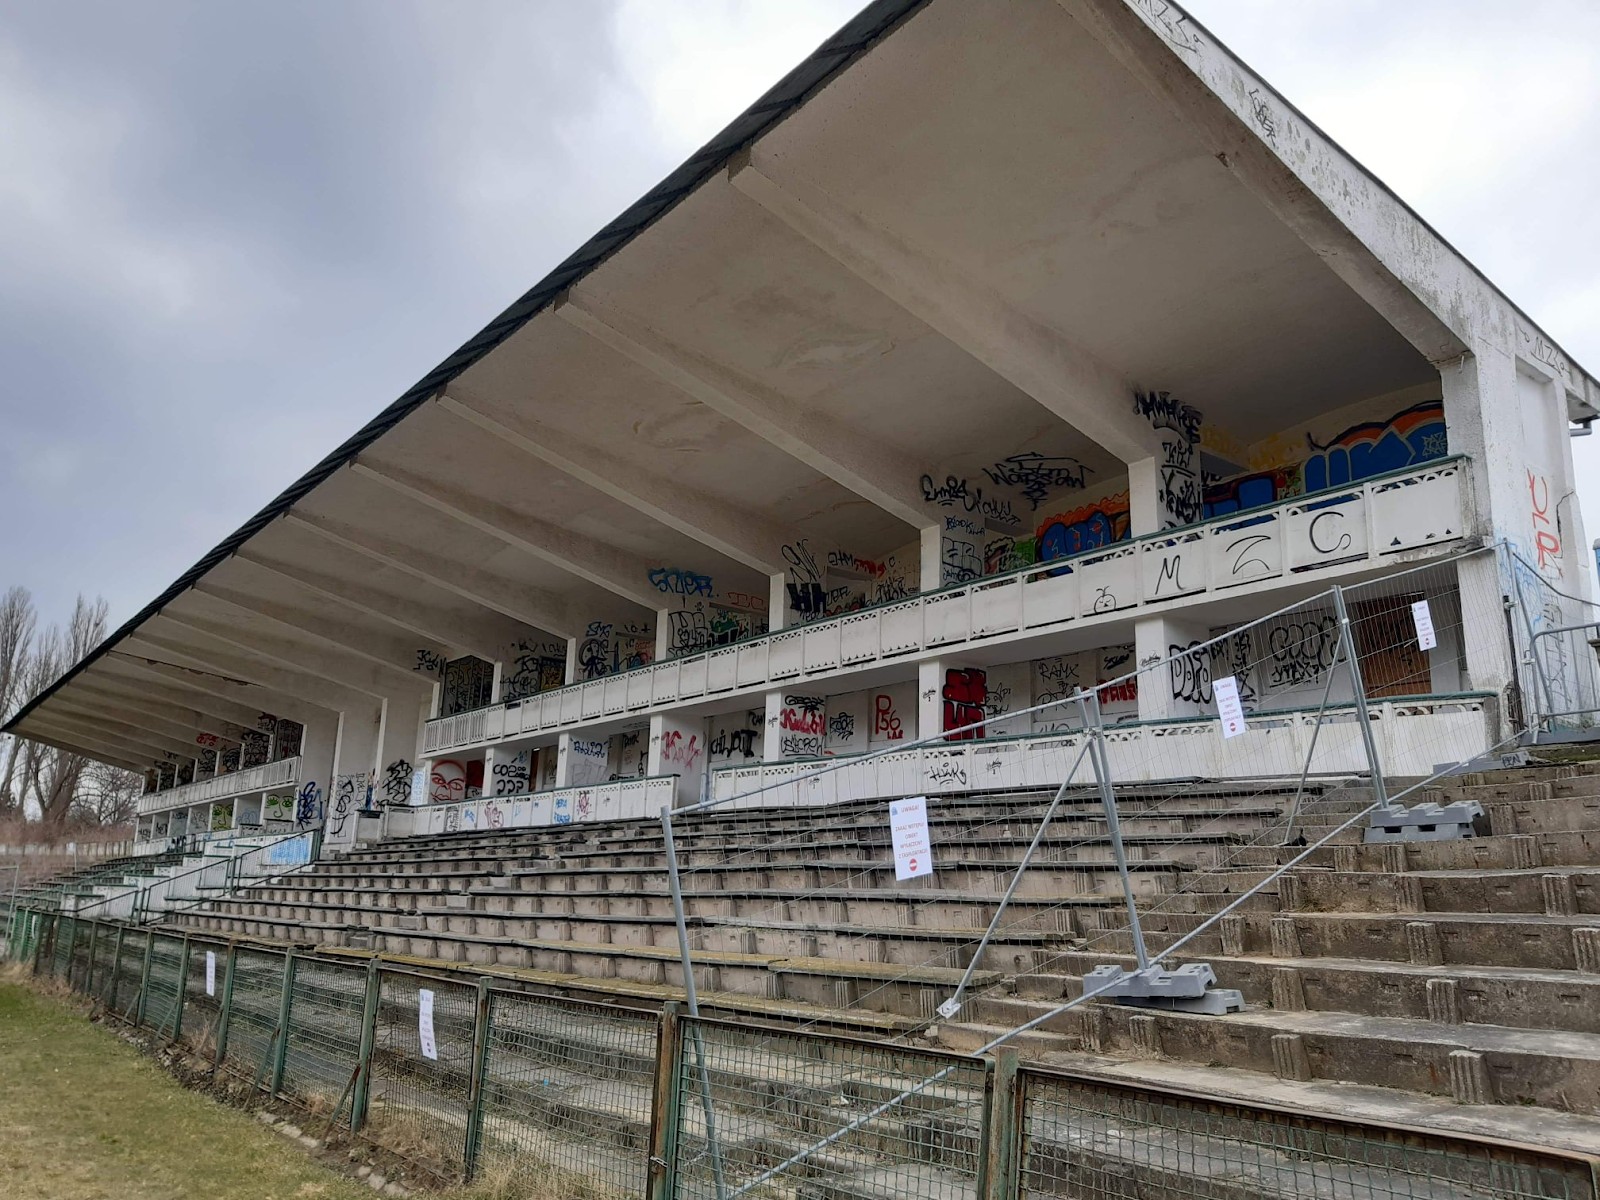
(472, 1079)
(1557, 640)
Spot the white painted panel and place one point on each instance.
(821, 646)
(1245, 551)
(1108, 583)
(1323, 532)
(946, 618)
(901, 627)
(1047, 599)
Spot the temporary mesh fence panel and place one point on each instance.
(768, 1113)
(165, 983)
(1087, 1139)
(129, 973)
(419, 1099)
(1557, 635)
(253, 1013)
(324, 1033)
(202, 997)
(567, 1094)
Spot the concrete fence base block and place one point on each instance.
(1422, 940)
(1586, 950)
(1444, 1001)
(1285, 938)
(1560, 898)
(1289, 1057)
(1469, 1078)
(1288, 990)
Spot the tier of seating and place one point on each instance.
(1464, 972)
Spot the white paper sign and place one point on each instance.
(1423, 620)
(211, 972)
(1231, 712)
(908, 830)
(430, 1048)
(419, 787)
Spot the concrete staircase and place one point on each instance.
(1455, 983)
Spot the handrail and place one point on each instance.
(231, 880)
(1051, 568)
(202, 790)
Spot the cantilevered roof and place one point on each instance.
(951, 235)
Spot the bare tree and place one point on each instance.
(50, 777)
(17, 624)
(106, 795)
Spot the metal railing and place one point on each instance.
(466, 1077)
(1338, 529)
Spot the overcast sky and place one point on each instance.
(231, 232)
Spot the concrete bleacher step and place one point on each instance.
(1477, 1064)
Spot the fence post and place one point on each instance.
(285, 1005)
(183, 990)
(116, 970)
(144, 979)
(1380, 791)
(362, 1094)
(664, 1099)
(480, 1067)
(88, 974)
(1000, 1149)
(226, 1007)
(38, 939)
(1094, 727)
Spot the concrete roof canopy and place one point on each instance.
(956, 233)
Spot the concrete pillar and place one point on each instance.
(399, 744)
(772, 732)
(1144, 511)
(317, 746)
(777, 602)
(572, 660)
(1178, 690)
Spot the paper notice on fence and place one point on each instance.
(908, 829)
(430, 1048)
(211, 972)
(1423, 620)
(1229, 710)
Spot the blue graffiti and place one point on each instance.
(308, 807)
(1376, 447)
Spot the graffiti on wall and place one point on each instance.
(706, 626)
(1411, 436)
(1178, 491)
(468, 684)
(735, 737)
(535, 667)
(1190, 669)
(676, 581)
(590, 761)
(607, 648)
(1546, 531)
(308, 804)
(1088, 527)
(396, 788)
(1037, 475)
(965, 692)
(680, 751)
(1301, 651)
(801, 726)
(513, 774)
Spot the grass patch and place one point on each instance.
(84, 1116)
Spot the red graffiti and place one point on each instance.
(1127, 690)
(675, 750)
(964, 694)
(1546, 541)
(885, 721)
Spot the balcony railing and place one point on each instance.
(1413, 736)
(618, 800)
(238, 783)
(1340, 529)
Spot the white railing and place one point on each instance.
(252, 779)
(1414, 736)
(620, 800)
(1330, 532)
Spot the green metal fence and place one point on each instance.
(468, 1077)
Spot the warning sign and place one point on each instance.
(1229, 709)
(908, 829)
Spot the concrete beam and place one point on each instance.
(531, 606)
(120, 715)
(1323, 202)
(1039, 360)
(125, 674)
(89, 736)
(182, 670)
(193, 647)
(428, 611)
(588, 558)
(173, 743)
(357, 636)
(116, 758)
(289, 648)
(127, 696)
(744, 537)
(877, 473)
